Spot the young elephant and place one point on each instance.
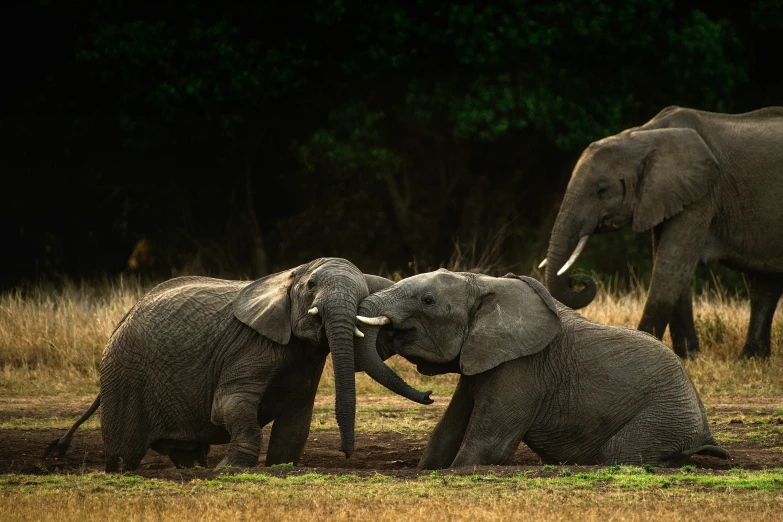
(202, 361)
(535, 371)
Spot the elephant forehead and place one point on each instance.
(325, 264)
(442, 279)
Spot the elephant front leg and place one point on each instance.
(503, 412)
(684, 339)
(446, 438)
(677, 253)
(238, 412)
(765, 291)
(291, 427)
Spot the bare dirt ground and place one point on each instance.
(751, 430)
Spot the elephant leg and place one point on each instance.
(641, 441)
(191, 458)
(291, 428)
(765, 292)
(676, 256)
(447, 436)
(684, 339)
(500, 419)
(239, 414)
(125, 432)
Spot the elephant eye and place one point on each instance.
(427, 300)
(602, 188)
(311, 284)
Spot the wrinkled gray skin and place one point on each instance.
(535, 371)
(202, 361)
(710, 186)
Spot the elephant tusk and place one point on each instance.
(578, 250)
(357, 332)
(313, 311)
(374, 321)
(543, 263)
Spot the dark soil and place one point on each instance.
(390, 453)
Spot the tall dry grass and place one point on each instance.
(51, 340)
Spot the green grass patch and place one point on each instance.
(615, 477)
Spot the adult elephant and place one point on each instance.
(710, 186)
(202, 361)
(535, 371)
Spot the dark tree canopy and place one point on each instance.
(241, 140)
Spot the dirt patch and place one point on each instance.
(388, 452)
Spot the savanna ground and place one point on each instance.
(51, 342)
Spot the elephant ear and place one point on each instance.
(377, 283)
(514, 317)
(678, 170)
(265, 306)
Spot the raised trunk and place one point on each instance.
(565, 236)
(368, 359)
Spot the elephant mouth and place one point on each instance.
(609, 224)
(314, 325)
(399, 335)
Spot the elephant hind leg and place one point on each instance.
(644, 440)
(765, 291)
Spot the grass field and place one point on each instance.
(50, 347)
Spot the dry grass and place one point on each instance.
(582, 496)
(51, 341)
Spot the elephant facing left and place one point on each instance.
(534, 370)
(201, 361)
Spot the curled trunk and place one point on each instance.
(368, 359)
(565, 237)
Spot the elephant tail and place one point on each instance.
(62, 444)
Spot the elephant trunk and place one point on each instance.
(566, 236)
(369, 360)
(339, 324)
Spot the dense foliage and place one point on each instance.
(240, 140)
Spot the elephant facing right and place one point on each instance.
(534, 370)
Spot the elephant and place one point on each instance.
(200, 361)
(533, 370)
(709, 186)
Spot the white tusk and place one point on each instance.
(357, 332)
(313, 311)
(579, 247)
(543, 263)
(374, 321)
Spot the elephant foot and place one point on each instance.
(239, 458)
(754, 351)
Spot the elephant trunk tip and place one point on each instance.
(425, 398)
(347, 447)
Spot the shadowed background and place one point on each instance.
(239, 141)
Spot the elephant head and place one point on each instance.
(639, 177)
(463, 322)
(320, 299)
